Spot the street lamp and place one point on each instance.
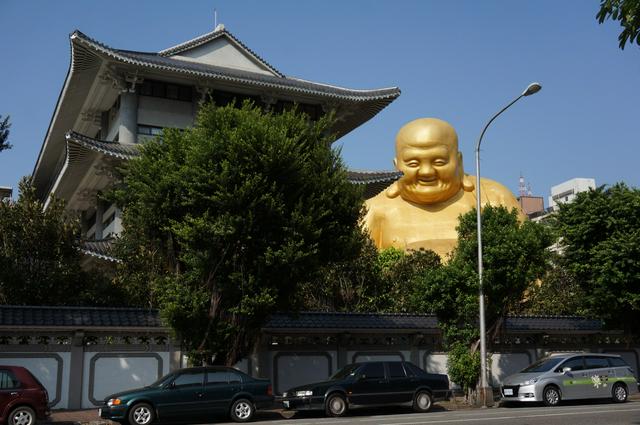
(531, 89)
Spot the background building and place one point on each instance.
(566, 191)
(5, 193)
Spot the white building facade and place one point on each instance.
(566, 191)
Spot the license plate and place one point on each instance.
(99, 412)
(508, 391)
(286, 404)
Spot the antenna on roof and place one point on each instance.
(522, 189)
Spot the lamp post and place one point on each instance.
(531, 89)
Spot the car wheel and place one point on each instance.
(551, 396)
(141, 414)
(22, 415)
(422, 401)
(242, 410)
(619, 392)
(336, 405)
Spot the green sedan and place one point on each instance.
(191, 395)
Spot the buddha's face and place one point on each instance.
(427, 154)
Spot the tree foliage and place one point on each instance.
(628, 13)
(514, 255)
(371, 282)
(4, 133)
(223, 223)
(600, 242)
(39, 255)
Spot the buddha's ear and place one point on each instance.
(393, 191)
(467, 183)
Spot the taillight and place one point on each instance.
(269, 390)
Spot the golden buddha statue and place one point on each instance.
(421, 209)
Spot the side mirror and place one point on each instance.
(566, 370)
(361, 377)
(171, 386)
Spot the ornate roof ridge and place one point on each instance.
(216, 33)
(73, 307)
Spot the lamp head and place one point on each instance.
(533, 88)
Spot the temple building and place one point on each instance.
(113, 99)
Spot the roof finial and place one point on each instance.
(215, 18)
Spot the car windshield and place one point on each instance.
(160, 382)
(345, 371)
(543, 365)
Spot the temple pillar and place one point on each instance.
(128, 132)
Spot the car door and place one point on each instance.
(400, 387)
(220, 387)
(572, 378)
(183, 399)
(371, 385)
(601, 375)
(9, 390)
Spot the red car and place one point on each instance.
(23, 399)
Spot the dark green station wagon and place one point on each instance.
(190, 396)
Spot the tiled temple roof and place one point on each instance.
(99, 249)
(81, 317)
(418, 322)
(382, 97)
(113, 149)
(374, 181)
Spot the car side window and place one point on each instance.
(575, 364)
(188, 380)
(373, 371)
(217, 377)
(234, 377)
(617, 362)
(596, 362)
(413, 370)
(396, 370)
(7, 380)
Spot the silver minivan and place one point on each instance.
(571, 377)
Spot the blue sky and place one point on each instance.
(460, 61)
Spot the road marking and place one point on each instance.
(495, 418)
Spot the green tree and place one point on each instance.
(514, 255)
(556, 293)
(600, 242)
(39, 255)
(371, 282)
(4, 133)
(233, 216)
(625, 11)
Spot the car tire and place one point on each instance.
(22, 415)
(141, 414)
(422, 401)
(242, 410)
(336, 405)
(551, 396)
(619, 393)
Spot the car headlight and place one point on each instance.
(530, 381)
(305, 393)
(113, 402)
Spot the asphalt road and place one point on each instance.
(578, 414)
